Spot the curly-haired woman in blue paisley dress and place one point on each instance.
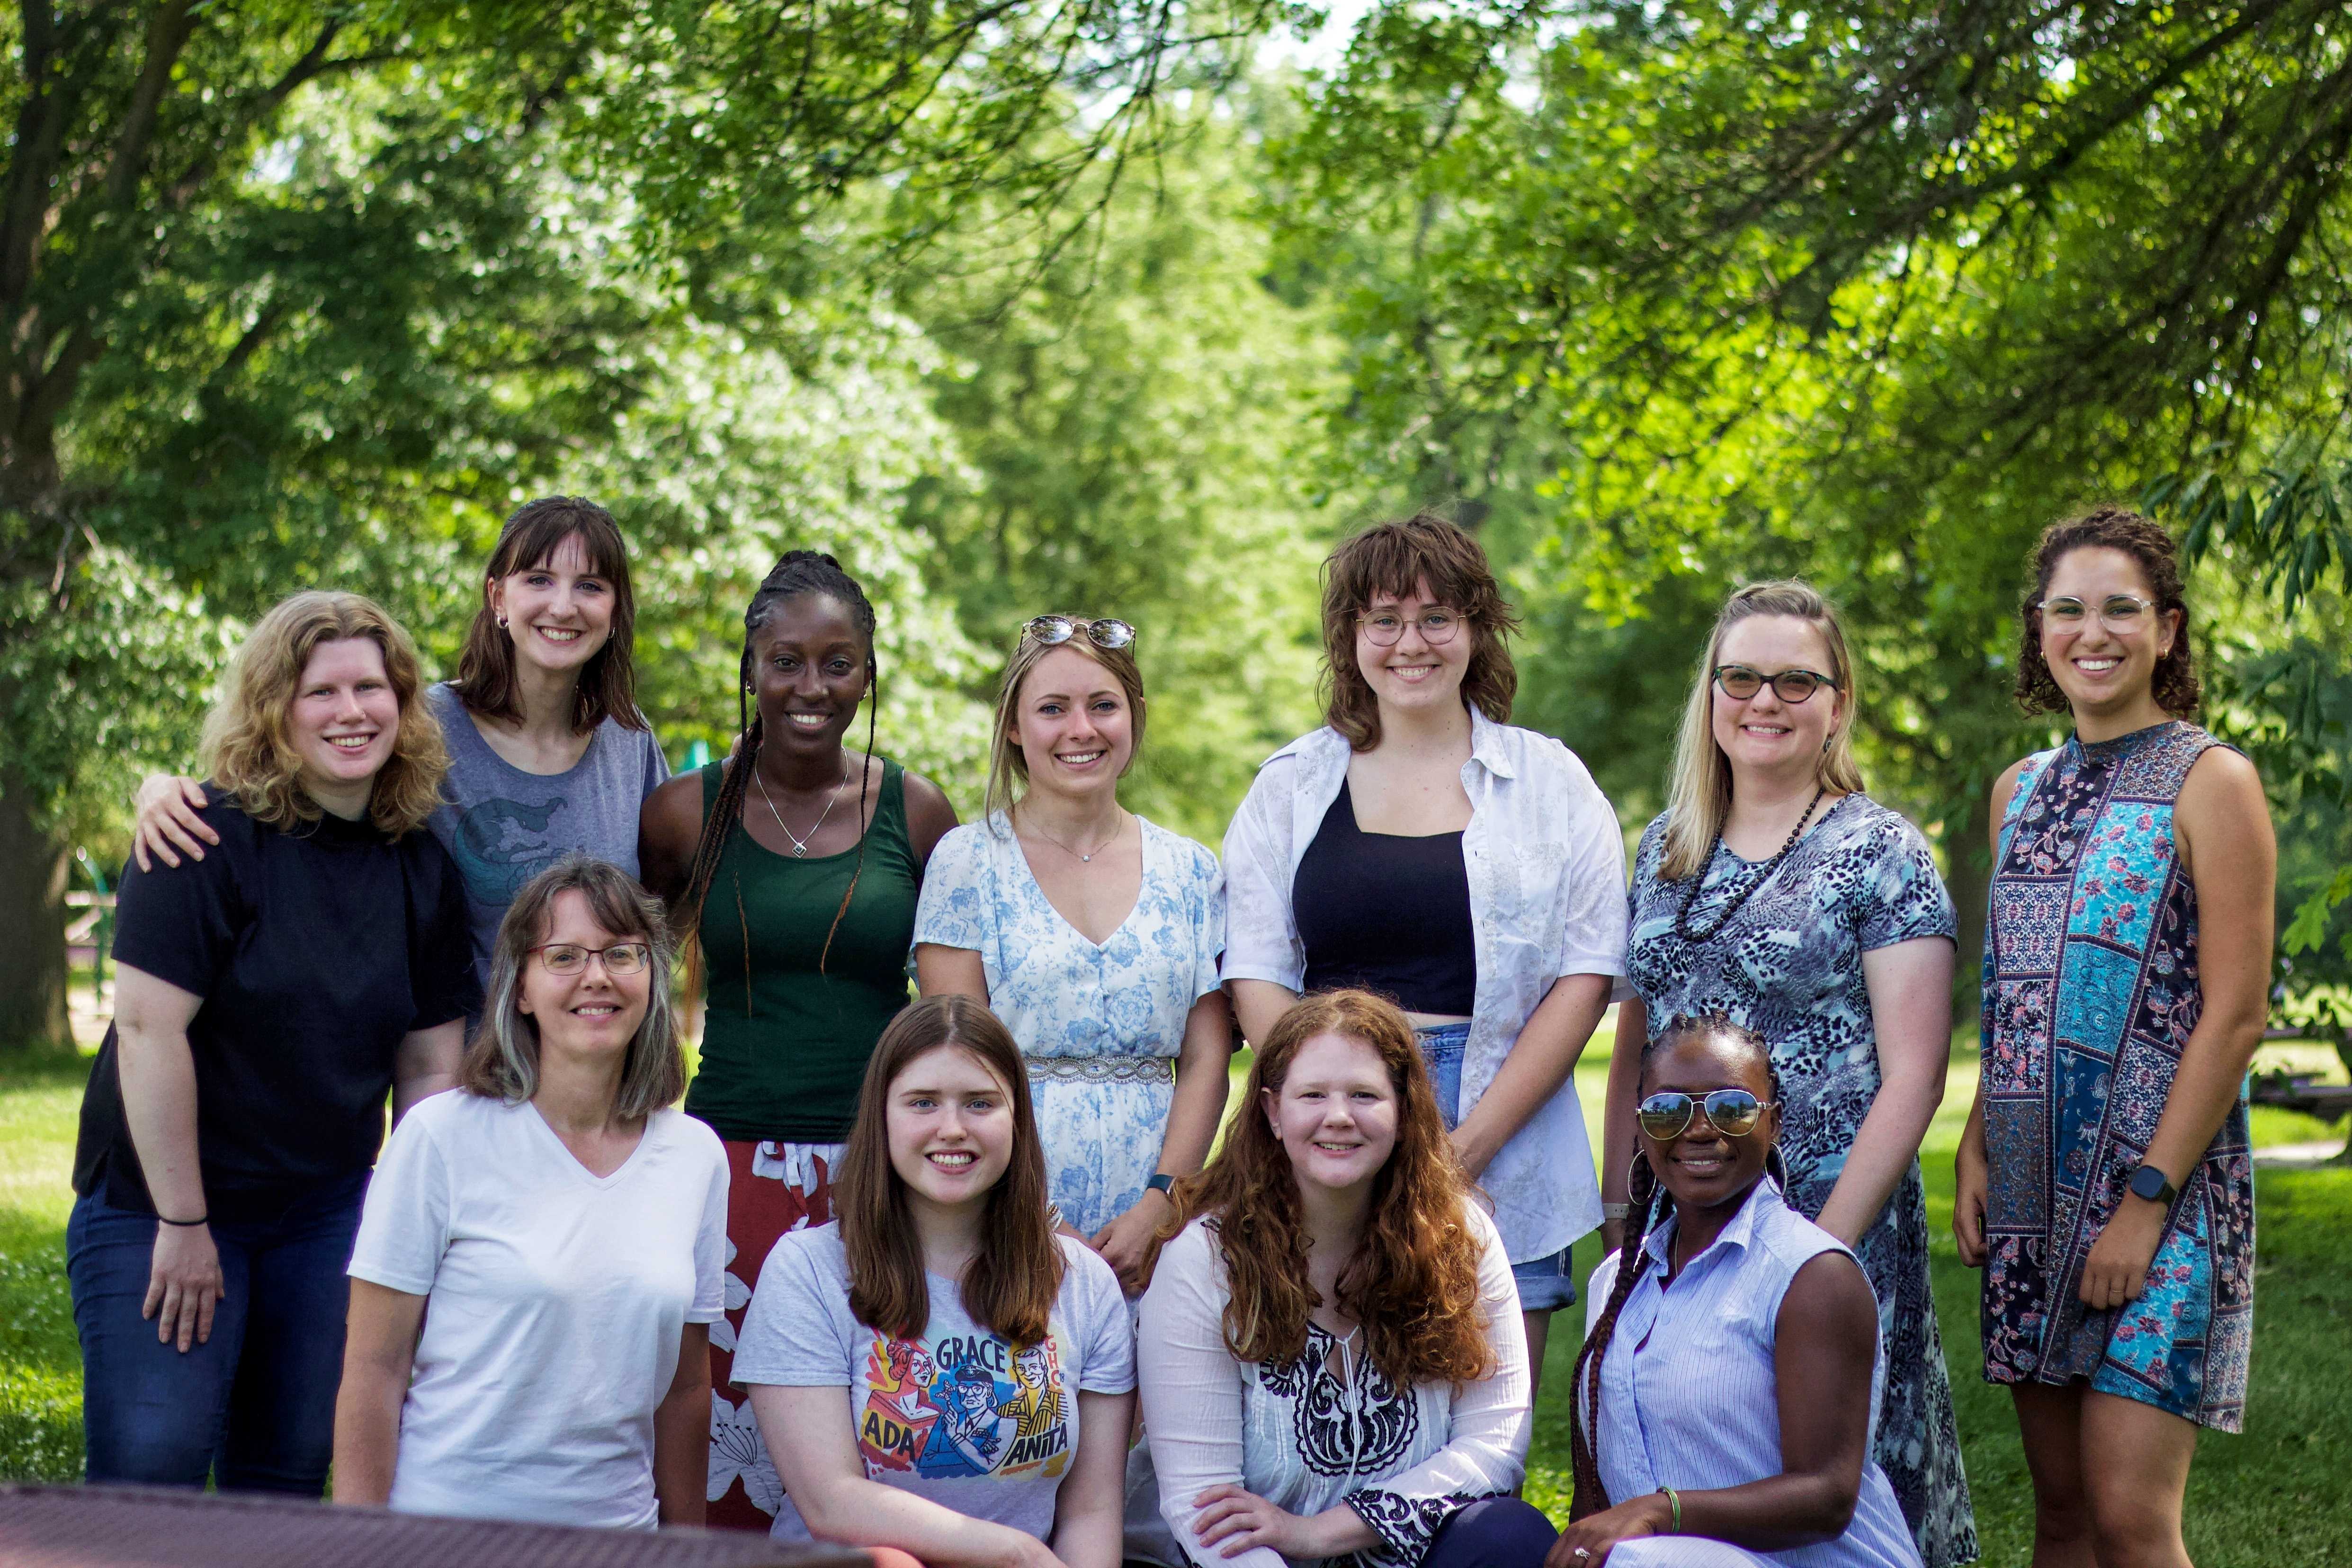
(2105, 1183)
(1093, 934)
(1773, 890)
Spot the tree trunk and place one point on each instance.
(32, 926)
(1971, 881)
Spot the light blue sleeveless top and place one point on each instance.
(1688, 1397)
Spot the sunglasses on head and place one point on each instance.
(1054, 630)
(1733, 1112)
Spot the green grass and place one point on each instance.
(2275, 1495)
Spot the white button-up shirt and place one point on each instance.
(1546, 868)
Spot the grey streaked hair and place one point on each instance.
(502, 1063)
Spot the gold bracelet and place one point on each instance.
(1673, 1502)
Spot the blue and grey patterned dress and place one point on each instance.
(2090, 995)
(1788, 966)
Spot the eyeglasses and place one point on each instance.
(2120, 612)
(571, 958)
(1733, 1112)
(1054, 630)
(1739, 683)
(1384, 627)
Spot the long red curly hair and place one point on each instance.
(1413, 1283)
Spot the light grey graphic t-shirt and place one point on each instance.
(958, 1414)
(503, 825)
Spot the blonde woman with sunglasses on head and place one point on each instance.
(1093, 933)
(1772, 890)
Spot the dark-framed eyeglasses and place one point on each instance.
(1791, 686)
(1054, 630)
(571, 958)
(1733, 1112)
(1382, 628)
(2119, 611)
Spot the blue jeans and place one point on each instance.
(1544, 1284)
(252, 1406)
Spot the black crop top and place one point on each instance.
(1386, 912)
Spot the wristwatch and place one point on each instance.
(2149, 1182)
(1161, 1183)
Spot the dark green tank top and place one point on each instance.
(784, 1046)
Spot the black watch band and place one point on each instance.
(2150, 1183)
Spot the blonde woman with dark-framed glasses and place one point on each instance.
(1093, 933)
(567, 1227)
(1773, 890)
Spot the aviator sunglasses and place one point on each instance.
(1733, 1112)
(1054, 630)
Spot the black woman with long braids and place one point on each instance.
(1719, 1414)
(796, 863)
(1772, 888)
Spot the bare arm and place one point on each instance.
(379, 1351)
(159, 1108)
(1202, 1063)
(949, 972)
(166, 805)
(1971, 1179)
(811, 1437)
(682, 1433)
(1617, 1114)
(2222, 826)
(1910, 985)
(1539, 1062)
(1089, 1510)
(1825, 1340)
(669, 825)
(425, 1062)
(1259, 1003)
(931, 816)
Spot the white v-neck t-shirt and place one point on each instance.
(557, 1298)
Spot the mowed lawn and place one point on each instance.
(2276, 1495)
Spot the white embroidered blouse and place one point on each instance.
(1327, 1428)
(1546, 862)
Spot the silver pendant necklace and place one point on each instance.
(1083, 859)
(800, 844)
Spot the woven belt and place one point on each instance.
(1102, 1069)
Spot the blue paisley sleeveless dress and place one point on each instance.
(2090, 994)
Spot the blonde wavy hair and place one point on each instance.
(1413, 1282)
(246, 751)
(1699, 798)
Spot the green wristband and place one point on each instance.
(1673, 1502)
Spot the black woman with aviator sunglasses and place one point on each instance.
(1773, 890)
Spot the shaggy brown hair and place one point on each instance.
(1014, 1278)
(246, 749)
(608, 681)
(2173, 683)
(1413, 1283)
(1396, 558)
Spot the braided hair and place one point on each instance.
(797, 575)
(1643, 1191)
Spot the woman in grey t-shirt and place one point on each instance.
(548, 753)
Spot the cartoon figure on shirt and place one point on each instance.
(898, 1412)
(1041, 1432)
(969, 1439)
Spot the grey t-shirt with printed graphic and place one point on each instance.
(503, 825)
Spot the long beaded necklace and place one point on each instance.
(1762, 876)
(800, 844)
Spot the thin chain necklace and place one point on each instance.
(800, 844)
(1090, 854)
(1764, 875)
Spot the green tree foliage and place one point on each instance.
(298, 297)
(1866, 292)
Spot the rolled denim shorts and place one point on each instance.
(1545, 1284)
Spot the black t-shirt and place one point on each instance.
(1388, 912)
(315, 950)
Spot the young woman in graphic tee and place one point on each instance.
(269, 999)
(548, 753)
(937, 1373)
(567, 1229)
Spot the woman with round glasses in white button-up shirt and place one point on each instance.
(1420, 846)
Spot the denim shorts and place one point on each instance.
(1545, 1284)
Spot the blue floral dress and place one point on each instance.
(2090, 996)
(1788, 966)
(1100, 1024)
